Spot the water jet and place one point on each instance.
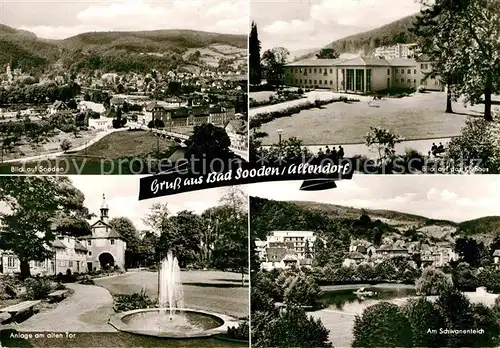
(171, 318)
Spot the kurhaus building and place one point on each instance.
(361, 74)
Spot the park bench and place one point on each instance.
(14, 310)
(58, 294)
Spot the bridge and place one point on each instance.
(179, 137)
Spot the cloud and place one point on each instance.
(456, 198)
(230, 16)
(327, 20)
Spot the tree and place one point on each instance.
(274, 61)
(435, 30)
(433, 282)
(291, 328)
(33, 206)
(468, 250)
(469, 32)
(180, 234)
(327, 53)
(125, 227)
(422, 316)
(457, 312)
(481, 20)
(383, 142)
(464, 277)
(231, 243)
(182, 237)
(302, 291)
(254, 56)
(476, 146)
(382, 325)
(208, 142)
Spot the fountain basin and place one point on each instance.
(184, 323)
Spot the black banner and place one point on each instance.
(317, 176)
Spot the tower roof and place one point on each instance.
(104, 204)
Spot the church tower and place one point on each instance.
(9, 71)
(104, 209)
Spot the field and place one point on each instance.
(417, 117)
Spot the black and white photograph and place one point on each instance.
(84, 263)
(379, 261)
(119, 86)
(392, 81)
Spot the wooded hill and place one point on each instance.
(366, 42)
(345, 222)
(112, 51)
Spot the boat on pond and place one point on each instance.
(364, 292)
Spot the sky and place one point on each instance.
(305, 24)
(456, 198)
(59, 19)
(122, 194)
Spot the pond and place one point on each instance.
(346, 300)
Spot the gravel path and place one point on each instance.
(87, 310)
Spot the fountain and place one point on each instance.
(171, 319)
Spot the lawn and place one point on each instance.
(421, 116)
(220, 292)
(261, 96)
(105, 156)
(131, 143)
(118, 339)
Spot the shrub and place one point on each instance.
(241, 332)
(37, 289)
(65, 145)
(86, 280)
(421, 89)
(8, 287)
(137, 300)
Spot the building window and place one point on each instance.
(90, 253)
(320, 70)
(409, 71)
(315, 70)
(310, 82)
(331, 82)
(310, 69)
(300, 81)
(331, 71)
(415, 81)
(90, 242)
(315, 82)
(11, 262)
(70, 263)
(402, 71)
(415, 71)
(388, 71)
(112, 241)
(409, 81)
(368, 79)
(421, 66)
(320, 82)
